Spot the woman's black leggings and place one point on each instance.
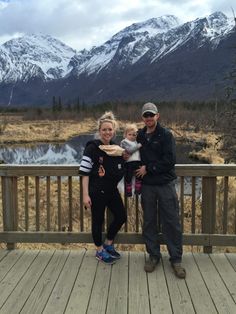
(101, 200)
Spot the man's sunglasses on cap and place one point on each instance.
(148, 115)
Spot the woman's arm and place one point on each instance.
(86, 198)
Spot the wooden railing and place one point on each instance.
(43, 204)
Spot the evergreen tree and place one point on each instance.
(59, 105)
(84, 107)
(68, 107)
(54, 104)
(77, 107)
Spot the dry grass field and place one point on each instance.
(18, 131)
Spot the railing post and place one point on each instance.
(208, 208)
(10, 204)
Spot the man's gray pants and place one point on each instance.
(162, 198)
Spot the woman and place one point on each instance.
(101, 173)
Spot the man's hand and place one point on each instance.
(140, 173)
(126, 155)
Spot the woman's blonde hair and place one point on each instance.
(130, 127)
(108, 116)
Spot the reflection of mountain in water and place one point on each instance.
(71, 153)
(68, 153)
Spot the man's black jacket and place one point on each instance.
(158, 155)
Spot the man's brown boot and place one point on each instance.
(151, 263)
(179, 271)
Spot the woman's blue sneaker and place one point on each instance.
(105, 257)
(111, 250)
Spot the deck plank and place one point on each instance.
(8, 284)
(232, 258)
(41, 292)
(226, 271)
(80, 295)
(8, 262)
(199, 293)
(158, 292)
(180, 298)
(138, 289)
(118, 292)
(100, 289)
(220, 295)
(3, 253)
(61, 292)
(20, 294)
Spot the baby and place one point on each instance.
(131, 146)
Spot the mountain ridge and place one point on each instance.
(141, 61)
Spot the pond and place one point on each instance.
(69, 152)
(45, 153)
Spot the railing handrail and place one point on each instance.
(198, 170)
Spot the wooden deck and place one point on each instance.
(64, 281)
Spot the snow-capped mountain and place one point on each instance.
(128, 46)
(158, 58)
(34, 56)
(153, 39)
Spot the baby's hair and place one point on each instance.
(130, 127)
(108, 116)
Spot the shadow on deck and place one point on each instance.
(73, 281)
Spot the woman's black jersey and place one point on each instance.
(93, 158)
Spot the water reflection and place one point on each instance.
(71, 153)
(46, 153)
(66, 153)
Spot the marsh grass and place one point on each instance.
(19, 131)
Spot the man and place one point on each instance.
(158, 191)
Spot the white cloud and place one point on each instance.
(84, 23)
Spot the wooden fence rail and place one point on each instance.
(43, 203)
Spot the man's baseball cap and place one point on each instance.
(149, 107)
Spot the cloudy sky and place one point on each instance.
(86, 23)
